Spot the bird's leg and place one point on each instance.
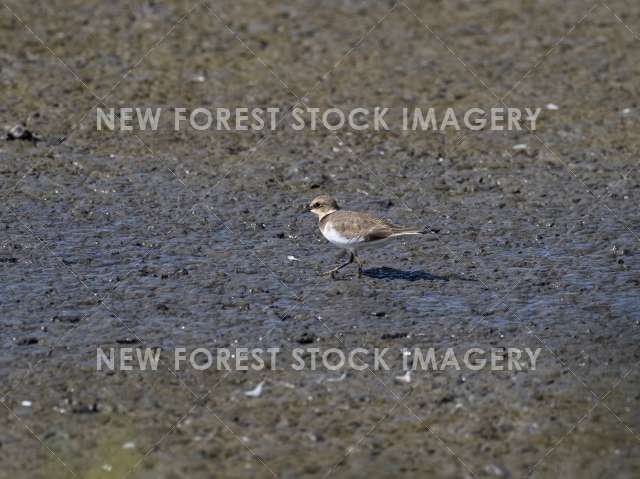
(341, 254)
(333, 271)
(360, 265)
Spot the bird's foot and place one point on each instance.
(360, 264)
(330, 273)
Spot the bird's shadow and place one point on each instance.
(392, 274)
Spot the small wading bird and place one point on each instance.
(353, 231)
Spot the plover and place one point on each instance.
(353, 231)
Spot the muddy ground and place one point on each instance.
(170, 239)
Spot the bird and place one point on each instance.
(353, 231)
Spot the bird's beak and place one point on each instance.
(305, 209)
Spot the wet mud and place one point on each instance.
(168, 239)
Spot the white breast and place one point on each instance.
(330, 233)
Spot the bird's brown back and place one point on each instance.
(352, 224)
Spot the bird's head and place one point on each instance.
(323, 205)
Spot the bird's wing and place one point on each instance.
(362, 225)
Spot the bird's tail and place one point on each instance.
(409, 231)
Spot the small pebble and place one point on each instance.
(495, 470)
(255, 392)
(20, 132)
(406, 378)
(338, 379)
